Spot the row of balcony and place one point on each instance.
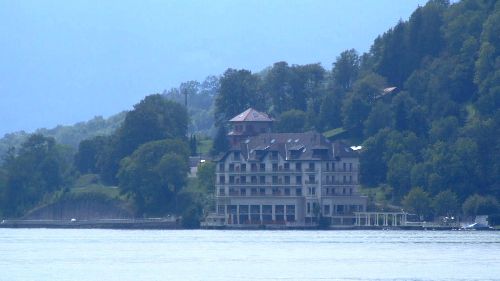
(324, 183)
(282, 170)
(286, 194)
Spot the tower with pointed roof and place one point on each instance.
(247, 124)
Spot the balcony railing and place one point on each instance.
(340, 170)
(311, 182)
(258, 194)
(339, 183)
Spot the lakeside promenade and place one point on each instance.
(150, 223)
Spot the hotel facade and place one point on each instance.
(290, 179)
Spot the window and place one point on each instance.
(237, 156)
(243, 192)
(262, 167)
(222, 192)
(287, 191)
(262, 191)
(231, 179)
(254, 180)
(350, 167)
(274, 155)
(344, 179)
(326, 210)
(286, 166)
(253, 191)
(222, 179)
(231, 167)
(345, 167)
(350, 179)
(287, 179)
(253, 167)
(298, 180)
(221, 167)
(243, 167)
(275, 179)
(221, 209)
(343, 191)
(262, 179)
(298, 191)
(311, 166)
(308, 208)
(312, 179)
(298, 166)
(243, 179)
(275, 167)
(333, 166)
(311, 190)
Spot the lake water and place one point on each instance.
(75, 254)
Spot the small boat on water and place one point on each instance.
(477, 226)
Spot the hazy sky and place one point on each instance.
(67, 61)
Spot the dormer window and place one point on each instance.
(274, 155)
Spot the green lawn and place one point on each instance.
(334, 132)
(204, 146)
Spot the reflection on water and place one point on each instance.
(48, 254)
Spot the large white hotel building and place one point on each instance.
(291, 179)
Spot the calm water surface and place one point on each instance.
(49, 254)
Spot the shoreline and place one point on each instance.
(171, 224)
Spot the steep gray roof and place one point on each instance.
(291, 146)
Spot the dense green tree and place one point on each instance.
(345, 70)
(380, 117)
(445, 203)
(154, 118)
(480, 205)
(418, 202)
(193, 145)
(154, 174)
(38, 169)
(293, 121)
(355, 111)
(278, 86)
(373, 167)
(330, 113)
(221, 142)
(206, 177)
(89, 151)
(444, 129)
(239, 90)
(399, 173)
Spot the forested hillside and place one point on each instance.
(438, 130)
(66, 135)
(424, 103)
